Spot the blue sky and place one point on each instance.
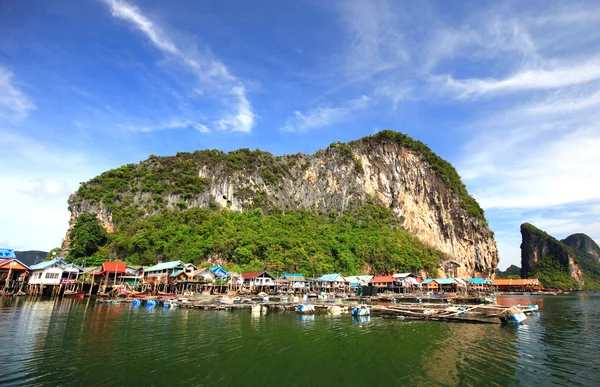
(509, 92)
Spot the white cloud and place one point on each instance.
(211, 73)
(203, 129)
(375, 41)
(173, 124)
(14, 105)
(324, 116)
(524, 80)
(36, 181)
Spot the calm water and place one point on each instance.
(76, 343)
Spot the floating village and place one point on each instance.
(184, 285)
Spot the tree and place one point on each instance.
(87, 236)
(50, 256)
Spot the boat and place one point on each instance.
(361, 310)
(163, 294)
(530, 309)
(305, 309)
(512, 315)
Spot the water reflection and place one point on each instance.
(74, 343)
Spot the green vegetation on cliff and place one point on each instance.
(511, 272)
(587, 255)
(552, 268)
(306, 242)
(553, 274)
(443, 168)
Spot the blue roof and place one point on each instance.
(47, 264)
(218, 271)
(165, 265)
(7, 253)
(60, 262)
(330, 277)
(444, 281)
(440, 281)
(176, 273)
(479, 281)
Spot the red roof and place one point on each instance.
(252, 274)
(114, 267)
(382, 278)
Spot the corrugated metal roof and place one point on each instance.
(165, 265)
(382, 278)
(7, 253)
(331, 277)
(293, 277)
(254, 274)
(219, 271)
(444, 281)
(426, 281)
(176, 273)
(47, 264)
(479, 281)
(517, 282)
(4, 262)
(114, 267)
(401, 275)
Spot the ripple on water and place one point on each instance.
(71, 344)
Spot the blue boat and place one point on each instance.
(361, 311)
(305, 309)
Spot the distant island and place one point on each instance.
(573, 263)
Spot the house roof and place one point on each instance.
(293, 277)
(382, 278)
(517, 282)
(47, 264)
(114, 267)
(92, 270)
(445, 281)
(165, 265)
(402, 275)
(331, 277)
(7, 253)
(254, 274)
(479, 281)
(176, 273)
(439, 281)
(13, 262)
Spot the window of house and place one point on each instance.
(51, 275)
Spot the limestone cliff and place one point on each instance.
(545, 257)
(584, 244)
(423, 191)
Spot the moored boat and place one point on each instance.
(305, 309)
(361, 310)
(512, 315)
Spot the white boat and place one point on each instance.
(305, 309)
(361, 311)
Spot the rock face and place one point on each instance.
(403, 175)
(537, 245)
(583, 244)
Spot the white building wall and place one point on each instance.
(48, 276)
